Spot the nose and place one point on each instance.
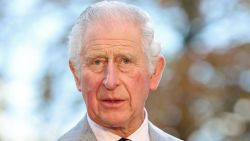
(111, 80)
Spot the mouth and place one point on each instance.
(113, 103)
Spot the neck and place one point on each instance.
(125, 131)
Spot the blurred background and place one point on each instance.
(204, 94)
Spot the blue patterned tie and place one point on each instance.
(124, 139)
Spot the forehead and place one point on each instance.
(112, 35)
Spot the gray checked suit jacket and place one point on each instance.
(83, 132)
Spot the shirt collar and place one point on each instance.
(103, 134)
(141, 134)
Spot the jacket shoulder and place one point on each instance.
(81, 132)
(156, 134)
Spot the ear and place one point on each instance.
(76, 77)
(158, 70)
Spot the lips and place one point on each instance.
(113, 103)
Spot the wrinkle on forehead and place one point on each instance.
(110, 41)
(109, 50)
(119, 36)
(99, 44)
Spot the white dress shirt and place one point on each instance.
(103, 134)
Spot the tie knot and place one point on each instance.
(124, 139)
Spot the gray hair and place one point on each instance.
(113, 10)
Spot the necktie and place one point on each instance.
(124, 139)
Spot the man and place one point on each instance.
(115, 63)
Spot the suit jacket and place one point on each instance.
(83, 132)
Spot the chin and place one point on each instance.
(115, 121)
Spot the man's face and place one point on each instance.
(114, 77)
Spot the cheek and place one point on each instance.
(141, 79)
(90, 84)
(89, 81)
(139, 85)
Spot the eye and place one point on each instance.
(125, 61)
(97, 62)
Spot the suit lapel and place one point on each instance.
(153, 135)
(86, 132)
(81, 132)
(156, 134)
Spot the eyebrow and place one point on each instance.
(124, 53)
(95, 55)
(89, 56)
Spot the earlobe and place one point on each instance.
(76, 77)
(156, 76)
